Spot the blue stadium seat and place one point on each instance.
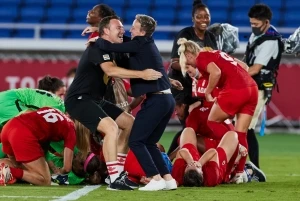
(115, 3)
(165, 4)
(24, 33)
(11, 2)
(272, 4)
(52, 33)
(185, 4)
(130, 14)
(58, 15)
(292, 18)
(60, 3)
(32, 14)
(243, 4)
(5, 33)
(219, 4)
(163, 13)
(89, 4)
(80, 13)
(8, 13)
(139, 3)
(35, 3)
(219, 15)
(240, 17)
(185, 18)
(161, 35)
(292, 4)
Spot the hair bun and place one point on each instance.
(181, 41)
(196, 2)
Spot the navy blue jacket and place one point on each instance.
(143, 55)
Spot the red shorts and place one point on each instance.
(133, 167)
(19, 141)
(213, 174)
(210, 143)
(197, 120)
(234, 101)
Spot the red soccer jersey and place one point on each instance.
(233, 76)
(180, 164)
(93, 35)
(49, 124)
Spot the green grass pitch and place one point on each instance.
(279, 158)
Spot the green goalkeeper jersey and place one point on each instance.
(15, 101)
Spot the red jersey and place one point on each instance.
(233, 75)
(93, 35)
(49, 124)
(180, 164)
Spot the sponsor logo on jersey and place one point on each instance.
(106, 57)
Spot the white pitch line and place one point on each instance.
(25, 197)
(78, 193)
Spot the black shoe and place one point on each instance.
(258, 174)
(119, 184)
(131, 183)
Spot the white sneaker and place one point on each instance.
(171, 185)
(154, 185)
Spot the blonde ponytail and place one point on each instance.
(186, 46)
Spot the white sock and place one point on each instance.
(112, 170)
(121, 161)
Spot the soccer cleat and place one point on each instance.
(131, 183)
(62, 179)
(119, 184)
(11, 180)
(258, 174)
(154, 185)
(171, 185)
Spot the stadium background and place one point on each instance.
(39, 37)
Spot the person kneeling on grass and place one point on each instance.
(24, 139)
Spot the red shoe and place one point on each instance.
(11, 180)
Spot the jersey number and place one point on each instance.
(50, 115)
(228, 58)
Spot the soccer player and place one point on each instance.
(231, 77)
(15, 101)
(24, 139)
(53, 85)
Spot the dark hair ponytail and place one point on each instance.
(51, 84)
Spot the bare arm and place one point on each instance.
(68, 158)
(253, 70)
(175, 64)
(243, 64)
(174, 154)
(214, 77)
(209, 155)
(135, 102)
(186, 155)
(114, 71)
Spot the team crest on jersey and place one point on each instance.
(106, 57)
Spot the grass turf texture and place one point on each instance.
(279, 158)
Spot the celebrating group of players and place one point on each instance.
(43, 144)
